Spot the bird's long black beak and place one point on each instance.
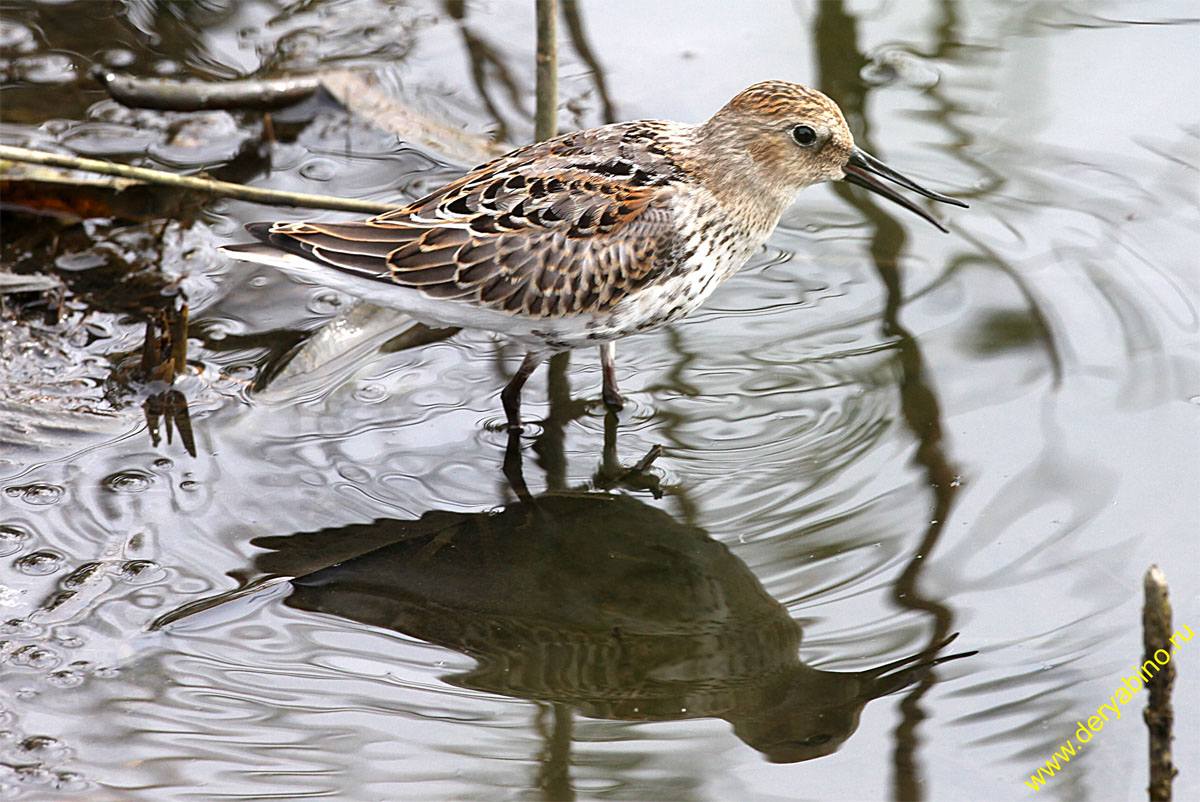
(862, 168)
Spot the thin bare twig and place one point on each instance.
(206, 186)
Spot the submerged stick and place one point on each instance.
(353, 90)
(546, 115)
(206, 186)
(1159, 715)
(368, 102)
(165, 94)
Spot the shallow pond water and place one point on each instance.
(874, 437)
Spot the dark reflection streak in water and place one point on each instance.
(554, 774)
(845, 83)
(987, 256)
(947, 36)
(948, 42)
(175, 28)
(488, 65)
(481, 56)
(549, 445)
(671, 421)
(570, 12)
(835, 34)
(513, 471)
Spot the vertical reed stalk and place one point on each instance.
(546, 116)
(1159, 716)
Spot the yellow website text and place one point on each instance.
(1109, 711)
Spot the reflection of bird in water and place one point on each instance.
(598, 602)
(595, 235)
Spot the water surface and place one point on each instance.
(875, 436)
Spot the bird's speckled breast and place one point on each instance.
(710, 248)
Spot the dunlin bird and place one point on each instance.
(595, 235)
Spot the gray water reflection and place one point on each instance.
(596, 602)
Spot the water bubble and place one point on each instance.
(117, 57)
(81, 260)
(128, 482)
(39, 494)
(319, 170)
(33, 774)
(43, 494)
(14, 36)
(147, 601)
(20, 626)
(35, 656)
(69, 781)
(141, 572)
(45, 68)
(353, 473)
(10, 540)
(311, 478)
(325, 302)
(39, 563)
(243, 370)
(887, 67)
(371, 393)
(190, 485)
(65, 678)
(44, 748)
(82, 574)
(70, 641)
(248, 633)
(163, 464)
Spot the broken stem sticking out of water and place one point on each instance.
(1159, 715)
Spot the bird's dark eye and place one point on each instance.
(804, 135)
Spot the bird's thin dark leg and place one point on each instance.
(612, 396)
(511, 394)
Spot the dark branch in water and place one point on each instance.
(167, 95)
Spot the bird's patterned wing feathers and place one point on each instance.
(552, 229)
